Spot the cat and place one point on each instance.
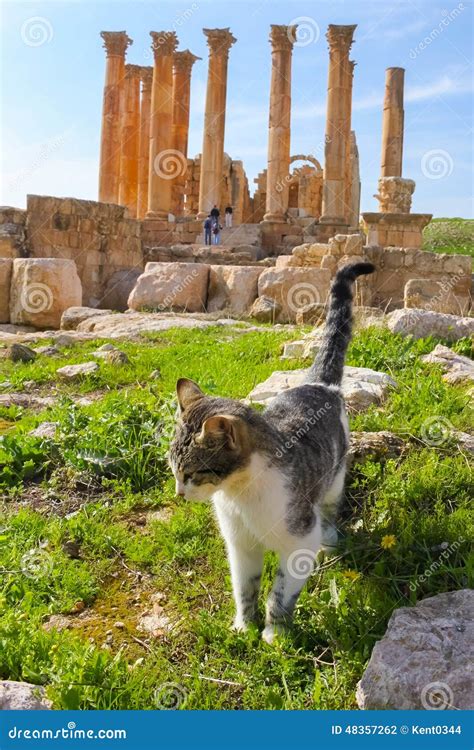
(275, 477)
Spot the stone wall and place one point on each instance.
(234, 192)
(396, 268)
(99, 237)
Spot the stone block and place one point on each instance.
(232, 288)
(428, 294)
(6, 265)
(41, 289)
(294, 288)
(171, 286)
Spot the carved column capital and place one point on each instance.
(340, 38)
(164, 43)
(219, 40)
(184, 60)
(146, 76)
(282, 38)
(116, 42)
(132, 71)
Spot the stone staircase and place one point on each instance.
(242, 234)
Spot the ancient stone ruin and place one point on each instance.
(141, 246)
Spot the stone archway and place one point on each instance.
(305, 187)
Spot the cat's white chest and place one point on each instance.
(256, 500)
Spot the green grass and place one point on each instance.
(453, 236)
(103, 483)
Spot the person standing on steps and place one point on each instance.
(208, 231)
(228, 216)
(216, 230)
(215, 213)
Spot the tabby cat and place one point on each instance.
(275, 477)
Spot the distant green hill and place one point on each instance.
(454, 236)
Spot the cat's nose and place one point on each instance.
(180, 489)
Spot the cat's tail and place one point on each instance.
(328, 365)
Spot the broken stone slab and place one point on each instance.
(424, 323)
(424, 660)
(171, 286)
(26, 400)
(75, 372)
(457, 368)
(23, 696)
(361, 386)
(233, 288)
(18, 353)
(375, 445)
(41, 289)
(71, 317)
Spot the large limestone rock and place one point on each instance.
(232, 288)
(458, 369)
(265, 310)
(294, 288)
(5, 282)
(71, 317)
(171, 286)
(428, 294)
(41, 289)
(423, 323)
(377, 446)
(22, 696)
(361, 386)
(424, 660)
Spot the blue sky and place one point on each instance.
(53, 69)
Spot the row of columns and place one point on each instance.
(337, 202)
(145, 134)
(144, 141)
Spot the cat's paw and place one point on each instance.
(270, 632)
(239, 625)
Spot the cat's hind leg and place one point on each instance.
(293, 571)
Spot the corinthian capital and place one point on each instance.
(184, 60)
(146, 75)
(163, 43)
(116, 42)
(219, 40)
(282, 37)
(133, 71)
(340, 38)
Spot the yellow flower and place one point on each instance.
(352, 575)
(388, 541)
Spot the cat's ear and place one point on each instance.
(188, 392)
(220, 426)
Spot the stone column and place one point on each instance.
(115, 43)
(282, 39)
(348, 141)
(161, 122)
(355, 184)
(338, 116)
(219, 41)
(392, 123)
(144, 141)
(182, 66)
(129, 137)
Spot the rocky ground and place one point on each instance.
(114, 594)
